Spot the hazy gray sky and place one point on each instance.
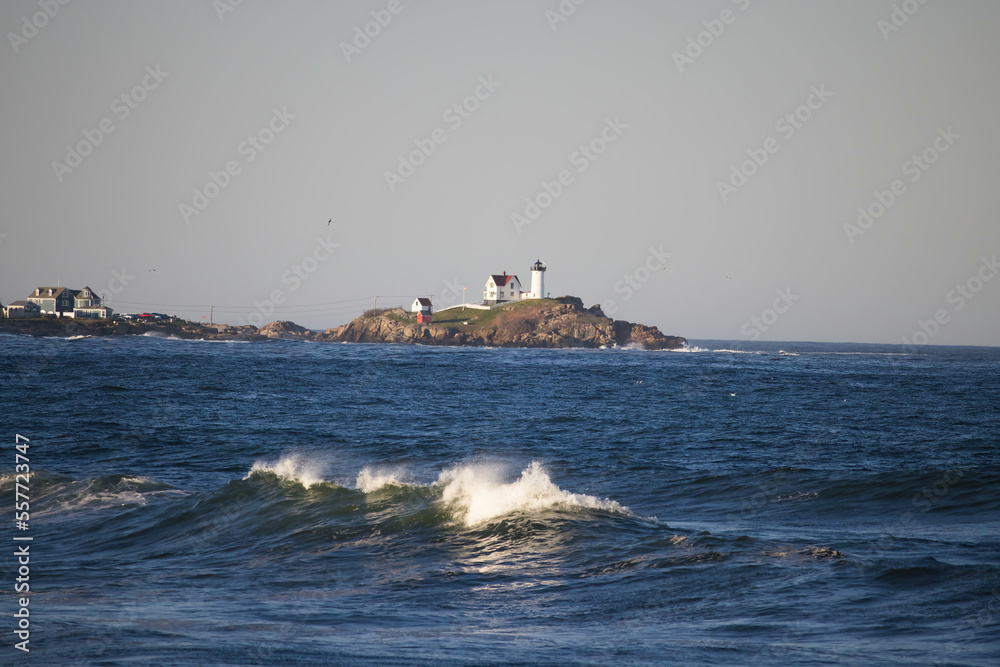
(644, 109)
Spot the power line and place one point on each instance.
(243, 307)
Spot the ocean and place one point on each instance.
(287, 503)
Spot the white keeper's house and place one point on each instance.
(503, 287)
(422, 307)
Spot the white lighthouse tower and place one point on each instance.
(537, 280)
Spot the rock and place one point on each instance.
(648, 338)
(285, 330)
(554, 323)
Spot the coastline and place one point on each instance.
(542, 323)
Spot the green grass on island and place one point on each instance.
(473, 318)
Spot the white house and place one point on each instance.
(21, 309)
(500, 288)
(422, 307)
(89, 304)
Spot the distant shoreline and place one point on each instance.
(540, 323)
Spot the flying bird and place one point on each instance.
(329, 221)
(153, 270)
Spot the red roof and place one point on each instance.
(503, 280)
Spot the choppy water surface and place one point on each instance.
(294, 503)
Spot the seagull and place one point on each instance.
(729, 277)
(153, 270)
(666, 269)
(732, 393)
(329, 221)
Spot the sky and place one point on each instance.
(724, 169)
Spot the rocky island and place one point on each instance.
(537, 323)
(561, 322)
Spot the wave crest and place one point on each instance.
(292, 468)
(478, 493)
(372, 479)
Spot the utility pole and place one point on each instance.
(464, 287)
(211, 316)
(376, 303)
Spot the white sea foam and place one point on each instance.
(292, 468)
(100, 493)
(479, 493)
(372, 479)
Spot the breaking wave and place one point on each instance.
(473, 493)
(292, 468)
(478, 493)
(372, 479)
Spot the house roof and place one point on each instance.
(21, 304)
(43, 292)
(503, 280)
(423, 301)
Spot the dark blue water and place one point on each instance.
(296, 503)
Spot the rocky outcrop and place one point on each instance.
(548, 323)
(628, 334)
(285, 330)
